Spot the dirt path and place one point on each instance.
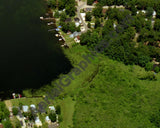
(8, 104)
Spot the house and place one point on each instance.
(25, 108)
(92, 25)
(1, 125)
(52, 108)
(75, 34)
(21, 122)
(38, 122)
(77, 39)
(154, 14)
(104, 11)
(68, 20)
(33, 106)
(141, 11)
(88, 9)
(77, 24)
(47, 119)
(95, 2)
(76, 19)
(83, 15)
(114, 25)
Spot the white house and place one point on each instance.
(25, 108)
(77, 24)
(83, 15)
(38, 122)
(47, 119)
(114, 25)
(52, 108)
(154, 14)
(33, 106)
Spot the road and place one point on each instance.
(82, 5)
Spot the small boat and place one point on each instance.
(56, 35)
(57, 29)
(41, 18)
(60, 39)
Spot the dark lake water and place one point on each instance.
(30, 56)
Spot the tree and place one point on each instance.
(7, 124)
(107, 27)
(61, 4)
(149, 66)
(88, 16)
(97, 23)
(143, 60)
(63, 16)
(17, 124)
(157, 25)
(89, 25)
(156, 69)
(52, 116)
(149, 11)
(90, 2)
(20, 105)
(133, 9)
(15, 111)
(70, 9)
(31, 116)
(58, 109)
(65, 27)
(2, 116)
(72, 27)
(56, 15)
(51, 3)
(97, 11)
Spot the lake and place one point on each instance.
(30, 56)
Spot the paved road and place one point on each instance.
(79, 7)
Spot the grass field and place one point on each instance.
(67, 107)
(26, 101)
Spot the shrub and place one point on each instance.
(15, 111)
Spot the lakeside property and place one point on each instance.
(119, 88)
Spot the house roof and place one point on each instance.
(32, 106)
(38, 121)
(1, 126)
(76, 19)
(78, 37)
(104, 11)
(52, 108)
(88, 9)
(68, 20)
(25, 108)
(47, 118)
(21, 123)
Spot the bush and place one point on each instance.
(60, 119)
(15, 111)
(58, 109)
(56, 15)
(156, 69)
(7, 124)
(52, 116)
(148, 66)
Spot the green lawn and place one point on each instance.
(67, 107)
(26, 101)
